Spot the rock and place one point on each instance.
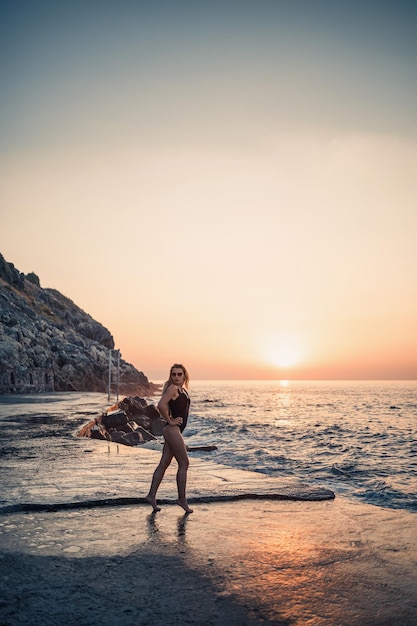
(142, 420)
(117, 436)
(156, 426)
(146, 435)
(114, 420)
(95, 433)
(146, 415)
(152, 412)
(133, 406)
(116, 425)
(47, 343)
(132, 439)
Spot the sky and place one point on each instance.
(231, 185)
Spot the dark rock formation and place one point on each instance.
(130, 422)
(47, 343)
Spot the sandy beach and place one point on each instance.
(230, 562)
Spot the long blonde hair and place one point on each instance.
(171, 382)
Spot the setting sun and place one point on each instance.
(284, 350)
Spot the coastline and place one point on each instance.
(241, 562)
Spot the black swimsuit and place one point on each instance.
(180, 407)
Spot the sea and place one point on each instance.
(357, 438)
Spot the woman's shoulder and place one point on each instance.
(171, 391)
(167, 393)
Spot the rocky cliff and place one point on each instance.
(47, 343)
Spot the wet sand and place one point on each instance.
(229, 563)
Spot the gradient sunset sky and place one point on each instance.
(231, 185)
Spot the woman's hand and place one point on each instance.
(176, 421)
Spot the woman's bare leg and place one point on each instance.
(177, 446)
(158, 475)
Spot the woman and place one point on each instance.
(174, 406)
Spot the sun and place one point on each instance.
(284, 350)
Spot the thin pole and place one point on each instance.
(118, 373)
(108, 397)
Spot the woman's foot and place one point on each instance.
(184, 505)
(152, 501)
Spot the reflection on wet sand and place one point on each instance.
(154, 526)
(315, 563)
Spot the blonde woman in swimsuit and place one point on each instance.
(174, 407)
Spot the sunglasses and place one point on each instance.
(177, 374)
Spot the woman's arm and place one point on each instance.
(163, 406)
